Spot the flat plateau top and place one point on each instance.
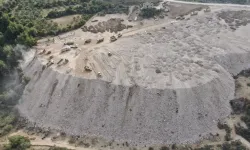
(160, 53)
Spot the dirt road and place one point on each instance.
(48, 142)
(209, 4)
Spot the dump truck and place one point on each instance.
(69, 43)
(74, 46)
(87, 41)
(119, 35)
(42, 52)
(194, 13)
(207, 10)
(99, 74)
(100, 40)
(65, 49)
(65, 61)
(113, 38)
(87, 68)
(59, 61)
(49, 52)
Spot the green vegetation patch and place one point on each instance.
(234, 145)
(7, 123)
(58, 148)
(150, 12)
(245, 132)
(17, 143)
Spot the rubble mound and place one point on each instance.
(166, 85)
(235, 18)
(111, 25)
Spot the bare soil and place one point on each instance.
(67, 20)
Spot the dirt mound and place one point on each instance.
(112, 25)
(159, 86)
(235, 18)
(176, 9)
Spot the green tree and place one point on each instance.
(1, 39)
(13, 30)
(3, 68)
(26, 39)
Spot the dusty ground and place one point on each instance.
(67, 20)
(164, 81)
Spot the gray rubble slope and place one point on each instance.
(134, 114)
(180, 113)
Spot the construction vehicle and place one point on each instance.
(100, 40)
(65, 49)
(113, 38)
(87, 41)
(69, 43)
(194, 13)
(87, 68)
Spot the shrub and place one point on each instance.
(6, 123)
(150, 12)
(7, 128)
(164, 148)
(17, 143)
(72, 140)
(58, 148)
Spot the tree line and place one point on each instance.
(90, 8)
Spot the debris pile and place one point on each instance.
(112, 25)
